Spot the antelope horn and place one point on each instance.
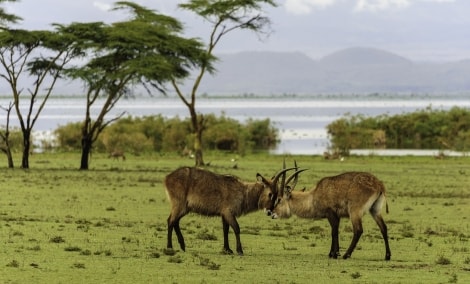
(283, 180)
(277, 176)
(294, 176)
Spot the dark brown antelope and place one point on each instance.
(350, 194)
(117, 154)
(203, 192)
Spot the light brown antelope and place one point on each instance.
(350, 194)
(203, 192)
(117, 154)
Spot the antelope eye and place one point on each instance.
(270, 195)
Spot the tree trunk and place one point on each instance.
(11, 165)
(198, 128)
(86, 150)
(7, 149)
(26, 149)
(6, 137)
(7, 152)
(198, 147)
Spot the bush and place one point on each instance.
(423, 129)
(69, 136)
(15, 139)
(156, 133)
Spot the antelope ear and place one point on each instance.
(260, 178)
(287, 192)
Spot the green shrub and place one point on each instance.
(423, 129)
(140, 135)
(69, 136)
(15, 139)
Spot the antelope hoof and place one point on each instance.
(387, 257)
(346, 256)
(228, 251)
(334, 254)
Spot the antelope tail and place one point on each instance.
(386, 203)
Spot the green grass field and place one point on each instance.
(108, 225)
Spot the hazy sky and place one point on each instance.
(435, 30)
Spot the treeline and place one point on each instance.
(139, 135)
(423, 129)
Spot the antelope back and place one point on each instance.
(355, 191)
(350, 183)
(194, 181)
(204, 192)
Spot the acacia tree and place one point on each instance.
(6, 17)
(37, 56)
(5, 135)
(146, 49)
(224, 16)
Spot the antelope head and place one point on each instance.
(285, 189)
(272, 188)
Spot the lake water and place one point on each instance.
(301, 120)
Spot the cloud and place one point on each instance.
(306, 6)
(381, 5)
(439, 1)
(302, 7)
(102, 6)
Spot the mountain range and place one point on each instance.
(352, 70)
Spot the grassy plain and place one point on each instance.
(108, 225)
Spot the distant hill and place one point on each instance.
(260, 72)
(349, 71)
(352, 70)
(361, 56)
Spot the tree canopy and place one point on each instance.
(147, 49)
(5, 17)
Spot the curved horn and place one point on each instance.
(294, 176)
(276, 179)
(279, 173)
(283, 180)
